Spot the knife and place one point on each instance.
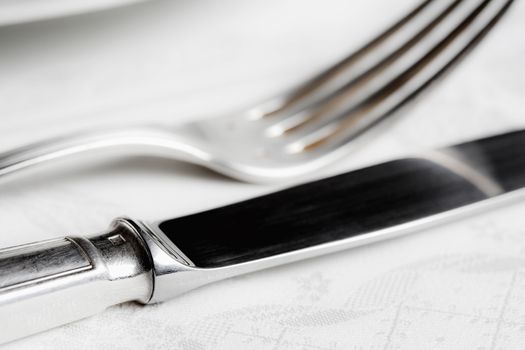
(50, 283)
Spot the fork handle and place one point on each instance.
(50, 283)
(82, 142)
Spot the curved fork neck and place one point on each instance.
(147, 140)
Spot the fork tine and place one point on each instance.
(397, 92)
(294, 99)
(342, 96)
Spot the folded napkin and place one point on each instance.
(456, 286)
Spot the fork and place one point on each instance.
(314, 124)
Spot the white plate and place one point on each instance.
(21, 11)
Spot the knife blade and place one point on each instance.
(46, 284)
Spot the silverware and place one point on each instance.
(315, 124)
(49, 283)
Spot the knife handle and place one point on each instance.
(50, 283)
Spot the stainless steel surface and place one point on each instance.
(50, 283)
(174, 277)
(315, 124)
(46, 284)
(490, 172)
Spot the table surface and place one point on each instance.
(456, 286)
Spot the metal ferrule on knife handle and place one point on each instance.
(54, 282)
(50, 283)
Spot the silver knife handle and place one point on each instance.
(50, 283)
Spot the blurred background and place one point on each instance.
(172, 61)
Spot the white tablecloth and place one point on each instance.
(457, 286)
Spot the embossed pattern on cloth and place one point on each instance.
(459, 286)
